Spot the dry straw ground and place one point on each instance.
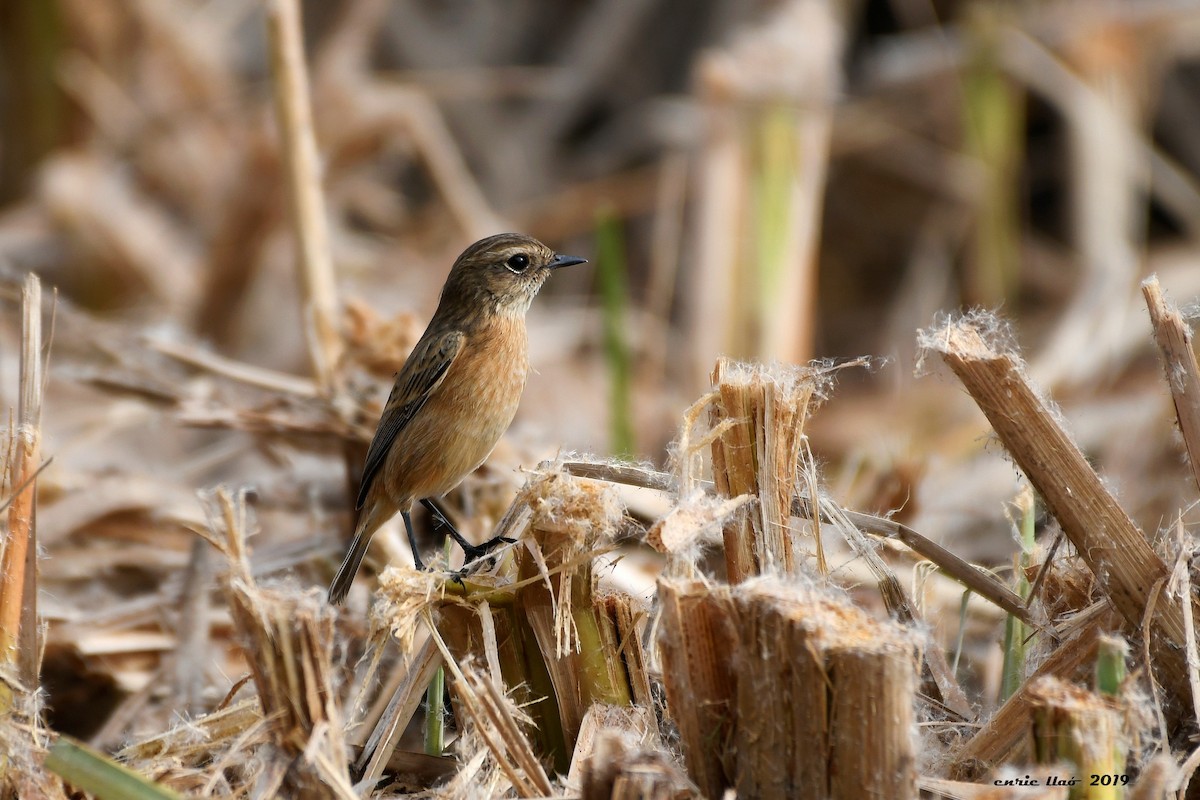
(960, 565)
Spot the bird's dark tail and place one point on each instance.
(349, 568)
(369, 521)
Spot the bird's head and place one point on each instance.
(502, 274)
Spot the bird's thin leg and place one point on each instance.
(472, 551)
(412, 540)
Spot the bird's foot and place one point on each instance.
(473, 552)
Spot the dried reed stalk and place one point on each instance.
(19, 650)
(1074, 725)
(1117, 552)
(197, 739)
(696, 639)
(982, 583)
(760, 415)
(287, 639)
(294, 115)
(824, 699)
(21, 728)
(1174, 339)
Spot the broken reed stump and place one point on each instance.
(286, 637)
(1174, 339)
(1127, 568)
(22, 733)
(19, 650)
(696, 640)
(1082, 729)
(825, 698)
(487, 625)
(758, 420)
(573, 519)
(560, 646)
(781, 691)
(620, 770)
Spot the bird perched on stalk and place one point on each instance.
(456, 394)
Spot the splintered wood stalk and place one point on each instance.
(761, 415)
(487, 627)
(617, 771)
(572, 520)
(1174, 339)
(287, 640)
(696, 640)
(1116, 551)
(627, 617)
(824, 700)
(19, 651)
(1082, 728)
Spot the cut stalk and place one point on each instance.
(697, 639)
(1117, 552)
(824, 699)
(1074, 725)
(19, 650)
(287, 641)
(761, 415)
(572, 519)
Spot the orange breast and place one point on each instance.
(463, 420)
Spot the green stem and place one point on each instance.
(99, 775)
(1016, 633)
(435, 719)
(614, 293)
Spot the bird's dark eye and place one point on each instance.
(518, 263)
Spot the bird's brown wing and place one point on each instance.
(420, 377)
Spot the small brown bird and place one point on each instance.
(456, 394)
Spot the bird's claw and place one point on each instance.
(474, 552)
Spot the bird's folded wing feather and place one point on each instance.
(420, 377)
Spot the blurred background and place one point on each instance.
(777, 181)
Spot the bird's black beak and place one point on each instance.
(565, 261)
